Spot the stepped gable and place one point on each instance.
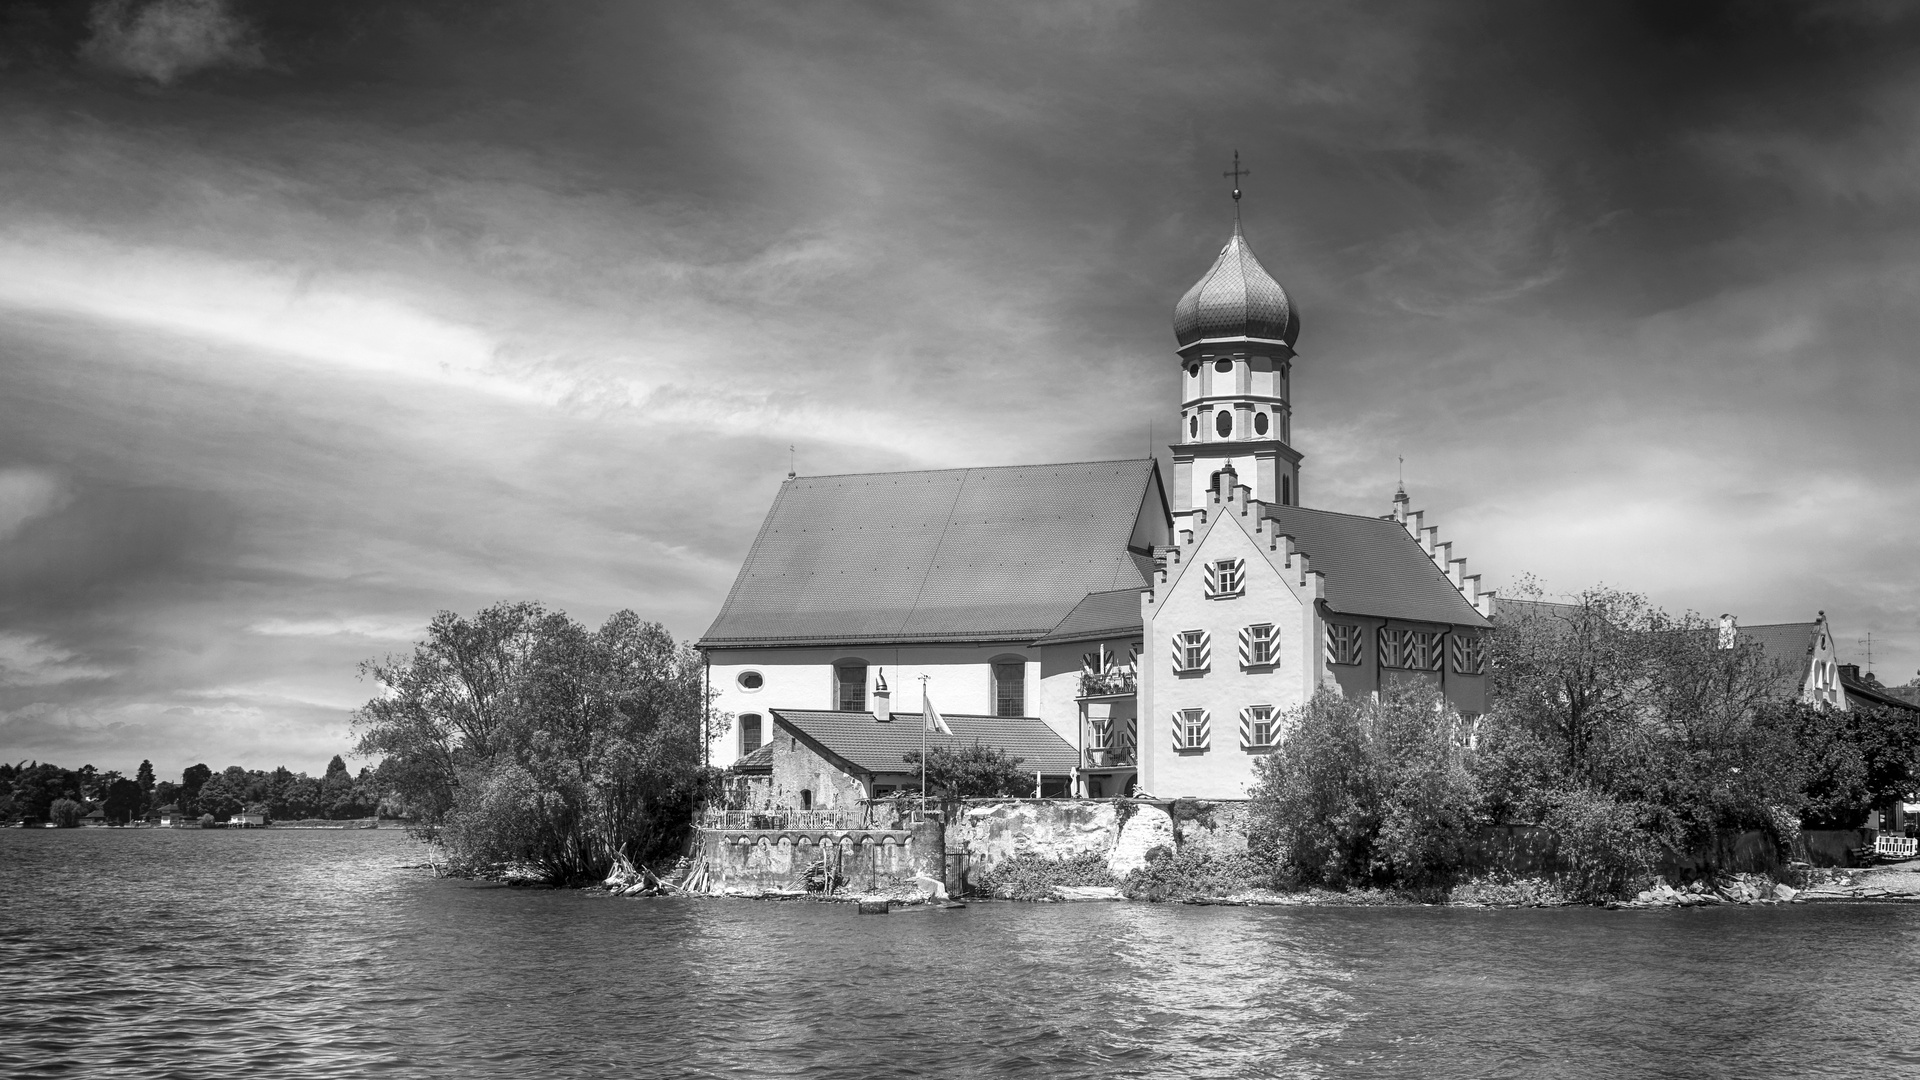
(866, 743)
(993, 554)
(1374, 566)
(1101, 615)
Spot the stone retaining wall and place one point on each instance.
(755, 862)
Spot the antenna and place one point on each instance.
(1868, 642)
(790, 472)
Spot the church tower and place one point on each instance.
(1235, 329)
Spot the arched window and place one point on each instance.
(850, 686)
(1223, 423)
(749, 733)
(1009, 686)
(806, 799)
(1286, 491)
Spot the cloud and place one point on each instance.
(26, 660)
(366, 626)
(27, 494)
(165, 40)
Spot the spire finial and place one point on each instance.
(1235, 174)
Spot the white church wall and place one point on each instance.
(961, 681)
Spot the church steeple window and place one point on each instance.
(1223, 366)
(1259, 423)
(1193, 427)
(1223, 423)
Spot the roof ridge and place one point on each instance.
(981, 468)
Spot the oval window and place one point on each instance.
(1260, 423)
(1221, 366)
(1193, 427)
(750, 680)
(1193, 370)
(1223, 423)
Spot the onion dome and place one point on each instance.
(1236, 298)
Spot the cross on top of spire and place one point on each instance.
(1235, 174)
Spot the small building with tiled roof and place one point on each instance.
(1062, 600)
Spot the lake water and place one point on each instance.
(317, 954)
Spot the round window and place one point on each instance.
(1260, 423)
(1193, 370)
(1193, 427)
(1223, 366)
(749, 680)
(1223, 423)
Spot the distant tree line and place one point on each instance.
(43, 792)
(1629, 733)
(525, 742)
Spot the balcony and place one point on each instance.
(1110, 757)
(1119, 682)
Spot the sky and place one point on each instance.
(316, 319)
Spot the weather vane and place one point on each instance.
(1235, 176)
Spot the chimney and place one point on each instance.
(1729, 632)
(1850, 672)
(882, 699)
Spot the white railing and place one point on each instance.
(1896, 847)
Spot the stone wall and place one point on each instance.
(758, 862)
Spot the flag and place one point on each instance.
(935, 722)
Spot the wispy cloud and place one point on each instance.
(167, 40)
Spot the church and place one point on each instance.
(1121, 630)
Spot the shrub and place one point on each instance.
(1033, 876)
(66, 813)
(1190, 875)
(1605, 844)
(973, 772)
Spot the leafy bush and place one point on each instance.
(1190, 875)
(1033, 876)
(1366, 792)
(973, 772)
(66, 813)
(1605, 844)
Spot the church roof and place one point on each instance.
(866, 743)
(1374, 567)
(1100, 615)
(995, 554)
(1235, 298)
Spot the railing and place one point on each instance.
(1108, 683)
(1109, 757)
(784, 820)
(1896, 847)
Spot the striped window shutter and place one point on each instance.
(1436, 654)
(1226, 577)
(1246, 730)
(1246, 646)
(1389, 647)
(1127, 740)
(1213, 580)
(1198, 739)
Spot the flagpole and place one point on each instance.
(926, 721)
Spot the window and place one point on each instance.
(1226, 578)
(1191, 730)
(1343, 643)
(1469, 654)
(1413, 650)
(1259, 423)
(1221, 366)
(806, 799)
(749, 733)
(1010, 688)
(1193, 370)
(1286, 491)
(850, 686)
(1193, 427)
(1192, 650)
(1222, 422)
(750, 681)
(1259, 646)
(1259, 732)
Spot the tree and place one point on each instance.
(223, 794)
(144, 777)
(66, 813)
(190, 782)
(36, 787)
(973, 772)
(123, 801)
(531, 739)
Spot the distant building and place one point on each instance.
(1148, 633)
